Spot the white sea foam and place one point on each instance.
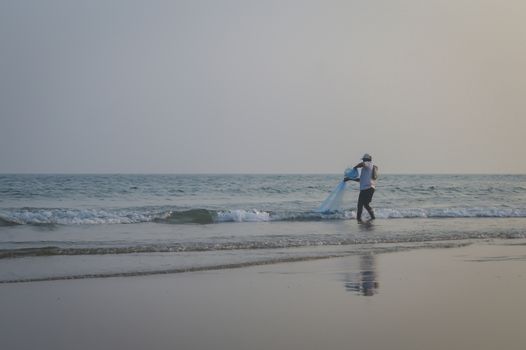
(39, 216)
(450, 213)
(240, 215)
(73, 216)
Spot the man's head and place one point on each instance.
(367, 157)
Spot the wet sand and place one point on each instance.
(472, 297)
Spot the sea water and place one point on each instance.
(79, 226)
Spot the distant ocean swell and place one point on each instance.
(58, 216)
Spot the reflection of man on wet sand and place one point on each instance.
(364, 282)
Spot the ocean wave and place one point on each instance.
(451, 213)
(7, 222)
(192, 216)
(240, 215)
(205, 216)
(63, 216)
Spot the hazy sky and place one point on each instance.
(245, 86)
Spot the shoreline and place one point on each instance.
(302, 254)
(468, 297)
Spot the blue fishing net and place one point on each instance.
(334, 201)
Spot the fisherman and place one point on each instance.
(367, 186)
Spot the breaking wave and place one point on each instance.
(63, 216)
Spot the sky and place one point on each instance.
(244, 86)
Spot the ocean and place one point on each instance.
(82, 226)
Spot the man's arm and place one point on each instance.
(359, 165)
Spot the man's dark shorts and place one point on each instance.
(366, 196)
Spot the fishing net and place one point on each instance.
(334, 201)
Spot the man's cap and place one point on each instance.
(367, 156)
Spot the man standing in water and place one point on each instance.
(367, 186)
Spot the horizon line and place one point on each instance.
(247, 173)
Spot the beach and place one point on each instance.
(191, 175)
(467, 297)
(250, 262)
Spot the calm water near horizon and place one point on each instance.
(64, 226)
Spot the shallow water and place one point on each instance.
(64, 226)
